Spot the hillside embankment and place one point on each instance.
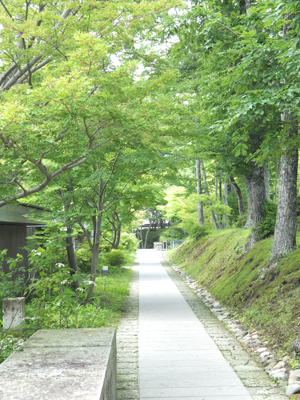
(268, 303)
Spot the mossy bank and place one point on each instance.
(270, 305)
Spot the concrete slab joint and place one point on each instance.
(63, 364)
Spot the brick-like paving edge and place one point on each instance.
(255, 379)
(127, 344)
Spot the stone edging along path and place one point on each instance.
(214, 317)
(127, 345)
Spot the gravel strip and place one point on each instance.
(127, 344)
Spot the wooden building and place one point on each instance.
(16, 223)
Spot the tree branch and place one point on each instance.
(6, 10)
(48, 178)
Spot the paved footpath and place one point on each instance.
(178, 359)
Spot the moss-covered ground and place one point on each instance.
(271, 305)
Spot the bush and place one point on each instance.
(84, 257)
(115, 258)
(198, 232)
(129, 242)
(104, 248)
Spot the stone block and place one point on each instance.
(13, 312)
(62, 364)
(104, 270)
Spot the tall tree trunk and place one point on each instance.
(286, 219)
(96, 243)
(276, 179)
(146, 236)
(139, 237)
(216, 182)
(72, 257)
(258, 201)
(216, 193)
(118, 237)
(267, 180)
(72, 261)
(213, 217)
(225, 200)
(199, 191)
(238, 192)
(248, 188)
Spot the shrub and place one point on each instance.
(115, 258)
(104, 248)
(198, 232)
(84, 257)
(129, 242)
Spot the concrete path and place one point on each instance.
(178, 360)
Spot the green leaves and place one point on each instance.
(241, 149)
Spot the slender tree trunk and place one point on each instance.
(139, 238)
(117, 230)
(199, 191)
(276, 179)
(286, 219)
(238, 192)
(248, 188)
(97, 235)
(267, 180)
(146, 236)
(72, 257)
(118, 237)
(225, 201)
(258, 201)
(216, 193)
(69, 240)
(213, 217)
(216, 182)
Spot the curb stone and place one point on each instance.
(127, 345)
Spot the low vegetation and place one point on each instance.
(59, 306)
(268, 302)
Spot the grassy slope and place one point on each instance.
(270, 306)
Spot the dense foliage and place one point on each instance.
(122, 118)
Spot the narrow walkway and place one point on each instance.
(178, 360)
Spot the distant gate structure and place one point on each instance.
(16, 223)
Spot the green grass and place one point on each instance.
(270, 306)
(71, 310)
